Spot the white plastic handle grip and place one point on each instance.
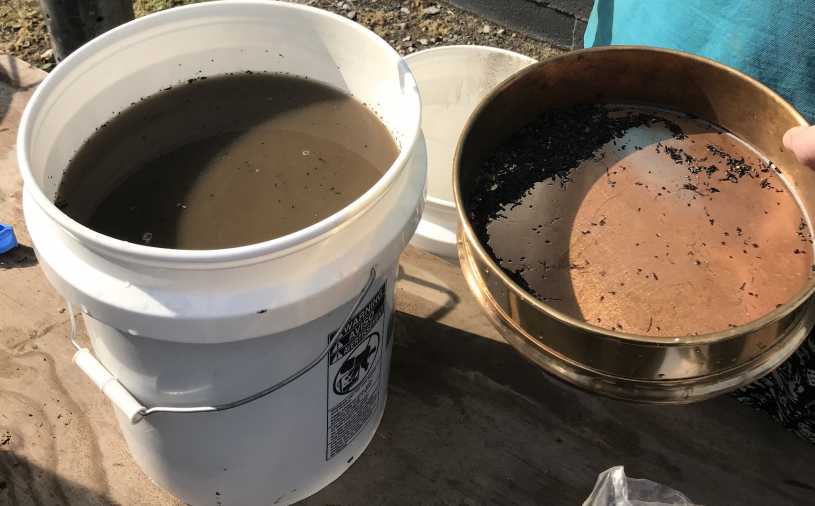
(109, 385)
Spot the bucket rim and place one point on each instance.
(441, 204)
(137, 252)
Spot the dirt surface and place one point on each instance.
(409, 26)
(23, 33)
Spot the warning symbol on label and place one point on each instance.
(357, 366)
(354, 373)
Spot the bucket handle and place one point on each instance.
(135, 411)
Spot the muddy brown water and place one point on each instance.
(668, 228)
(226, 161)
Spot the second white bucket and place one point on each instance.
(452, 80)
(191, 329)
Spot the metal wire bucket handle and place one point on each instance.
(135, 411)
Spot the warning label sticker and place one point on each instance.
(354, 373)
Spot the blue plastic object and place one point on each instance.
(7, 238)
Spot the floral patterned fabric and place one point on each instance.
(788, 393)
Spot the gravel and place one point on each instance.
(23, 34)
(414, 25)
(408, 25)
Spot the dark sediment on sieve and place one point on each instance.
(642, 221)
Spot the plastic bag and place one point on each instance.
(614, 489)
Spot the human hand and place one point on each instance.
(801, 141)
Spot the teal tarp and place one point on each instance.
(771, 40)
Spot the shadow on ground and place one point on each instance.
(17, 258)
(10, 77)
(24, 483)
(469, 421)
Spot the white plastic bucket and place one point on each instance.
(452, 80)
(186, 328)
